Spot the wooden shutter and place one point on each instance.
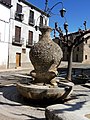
(17, 33)
(41, 21)
(31, 16)
(19, 8)
(30, 37)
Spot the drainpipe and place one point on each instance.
(9, 40)
(8, 46)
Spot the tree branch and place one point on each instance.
(81, 41)
(77, 40)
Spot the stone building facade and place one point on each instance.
(18, 32)
(81, 53)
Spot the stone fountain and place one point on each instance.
(45, 56)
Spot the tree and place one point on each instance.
(71, 44)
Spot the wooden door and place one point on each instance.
(18, 59)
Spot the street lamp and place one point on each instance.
(48, 10)
(62, 12)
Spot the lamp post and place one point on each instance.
(69, 46)
(48, 10)
(70, 43)
(46, 6)
(66, 29)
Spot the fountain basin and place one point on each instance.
(40, 92)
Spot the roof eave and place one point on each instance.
(33, 7)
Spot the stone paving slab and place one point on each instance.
(69, 111)
(14, 107)
(75, 109)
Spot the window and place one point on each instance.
(18, 15)
(17, 34)
(85, 57)
(30, 38)
(19, 8)
(31, 18)
(41, 21)
(45, 22)
(17, 39)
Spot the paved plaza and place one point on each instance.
(14, 107)
(12, 104)
(77, 108)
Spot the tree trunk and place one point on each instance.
(69, 67)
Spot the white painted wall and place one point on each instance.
(25, 27)
(7, 32)
(4, 35)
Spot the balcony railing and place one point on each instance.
(31, 21)
(6, 3)
(41, 24)
(17, 42)
(28, 44)
(19, 16)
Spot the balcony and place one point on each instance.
(19, 16)
(6, 3)
(28, 44)
(41, 24)
(31, 22)
(16, 42)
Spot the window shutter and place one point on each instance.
(30, 37)
(17, 33)
(19, 8)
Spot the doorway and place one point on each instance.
(18, 59)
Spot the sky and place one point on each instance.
(77, 11)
